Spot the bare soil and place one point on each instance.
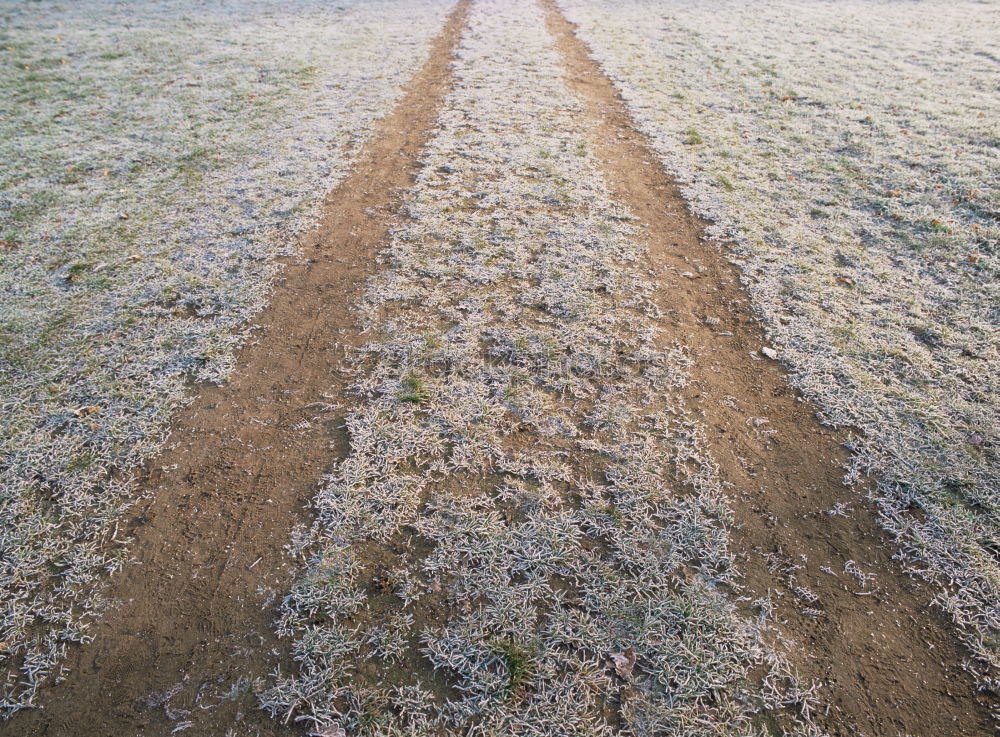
(889, 664)
(194, 627)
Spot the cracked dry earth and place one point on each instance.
(561, 499)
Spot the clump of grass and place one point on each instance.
(412, 389)
(76, 269)
(614, 514)
(241, 688)
(692, 137)
(518, 660)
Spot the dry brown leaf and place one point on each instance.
(88, 410)
(624, 662)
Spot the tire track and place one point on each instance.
(528, 535)
(194, 622)
(889, 663)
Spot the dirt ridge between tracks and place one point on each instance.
(193, 629)
(798, 531)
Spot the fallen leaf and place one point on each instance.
(624, 662)
(87, 410)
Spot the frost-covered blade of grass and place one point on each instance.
(528, 536)
(155, 159)
(851, 152)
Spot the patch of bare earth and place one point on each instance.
(889, 664)
(193, 630)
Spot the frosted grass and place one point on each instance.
(528, 535)
(850, 152)
(155, 161)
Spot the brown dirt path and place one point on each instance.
(889, 664)
(242, 462)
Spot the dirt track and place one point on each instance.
(861, 644)
(243, 460)
(198, 603)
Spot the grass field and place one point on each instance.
(852, 162)
(526, 527)
(521, 469)
(154, 164)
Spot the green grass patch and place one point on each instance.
(412, 389)
(692, 137)
(519, 660)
